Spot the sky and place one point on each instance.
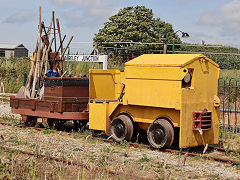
(214, 21)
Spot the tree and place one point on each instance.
(135, 24)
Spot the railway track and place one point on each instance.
(136, 145)
(75, 163)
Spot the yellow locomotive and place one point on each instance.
(172, 97)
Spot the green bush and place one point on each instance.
(230, 60)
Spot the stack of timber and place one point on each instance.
(44, 58)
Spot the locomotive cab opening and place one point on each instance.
(187, 80)
(170, 97)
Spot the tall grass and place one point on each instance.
(12, 71)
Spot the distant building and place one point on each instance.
(13, 50)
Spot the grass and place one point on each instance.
(144, 158)
(228, 74)
(14, 165)
(12, 71)
(48, 130)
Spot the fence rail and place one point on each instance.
(229, 94)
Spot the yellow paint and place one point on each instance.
(201, 96)
(97, 116)
(104, 84)
(167, 60)
(148, 114)
(154, 89)
(31, 57)
(162, 73)
(154, 93)
(99, 113)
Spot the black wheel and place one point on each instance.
(79, 125)
(121, 128)
(61, 123)
(160, 134)
(53, 123)
(30, 121)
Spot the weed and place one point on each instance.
(15, 141)
(141, 167)
(125, 162)
(159, 165)
(214, 176)
(106, 149)
(87, 132)
(77, 149)
(144, 158)
(123, 143)
(92, 158)
(101, 161)
(47, 130)
(237, 165)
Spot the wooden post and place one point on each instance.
(54, 31)
(165, 48)
(37, 69)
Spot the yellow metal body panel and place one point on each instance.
(148, 114)
(151, 86)
(201, 95)
(166, 60)
(161, 73)
(104, 84)
(154, 93)
(99, 115)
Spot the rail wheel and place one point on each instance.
(160, 134)
(121, 128)
(30, 121)
(79, 125)
(53, 123)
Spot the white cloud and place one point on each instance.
(227, 17)
(100, 8)
(20, 17)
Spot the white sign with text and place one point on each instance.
(89, 58)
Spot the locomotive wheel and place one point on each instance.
(121, 128)
(79, 125)
(53, 123)
(160, 134)
(30, 121)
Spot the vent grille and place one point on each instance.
(202, 120)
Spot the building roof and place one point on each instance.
(10, 46)
(166, 60)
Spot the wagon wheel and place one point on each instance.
(53, 123)
(79, 125)
(160, 134)
(121, 128)
(30, 121)
(61, 123)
